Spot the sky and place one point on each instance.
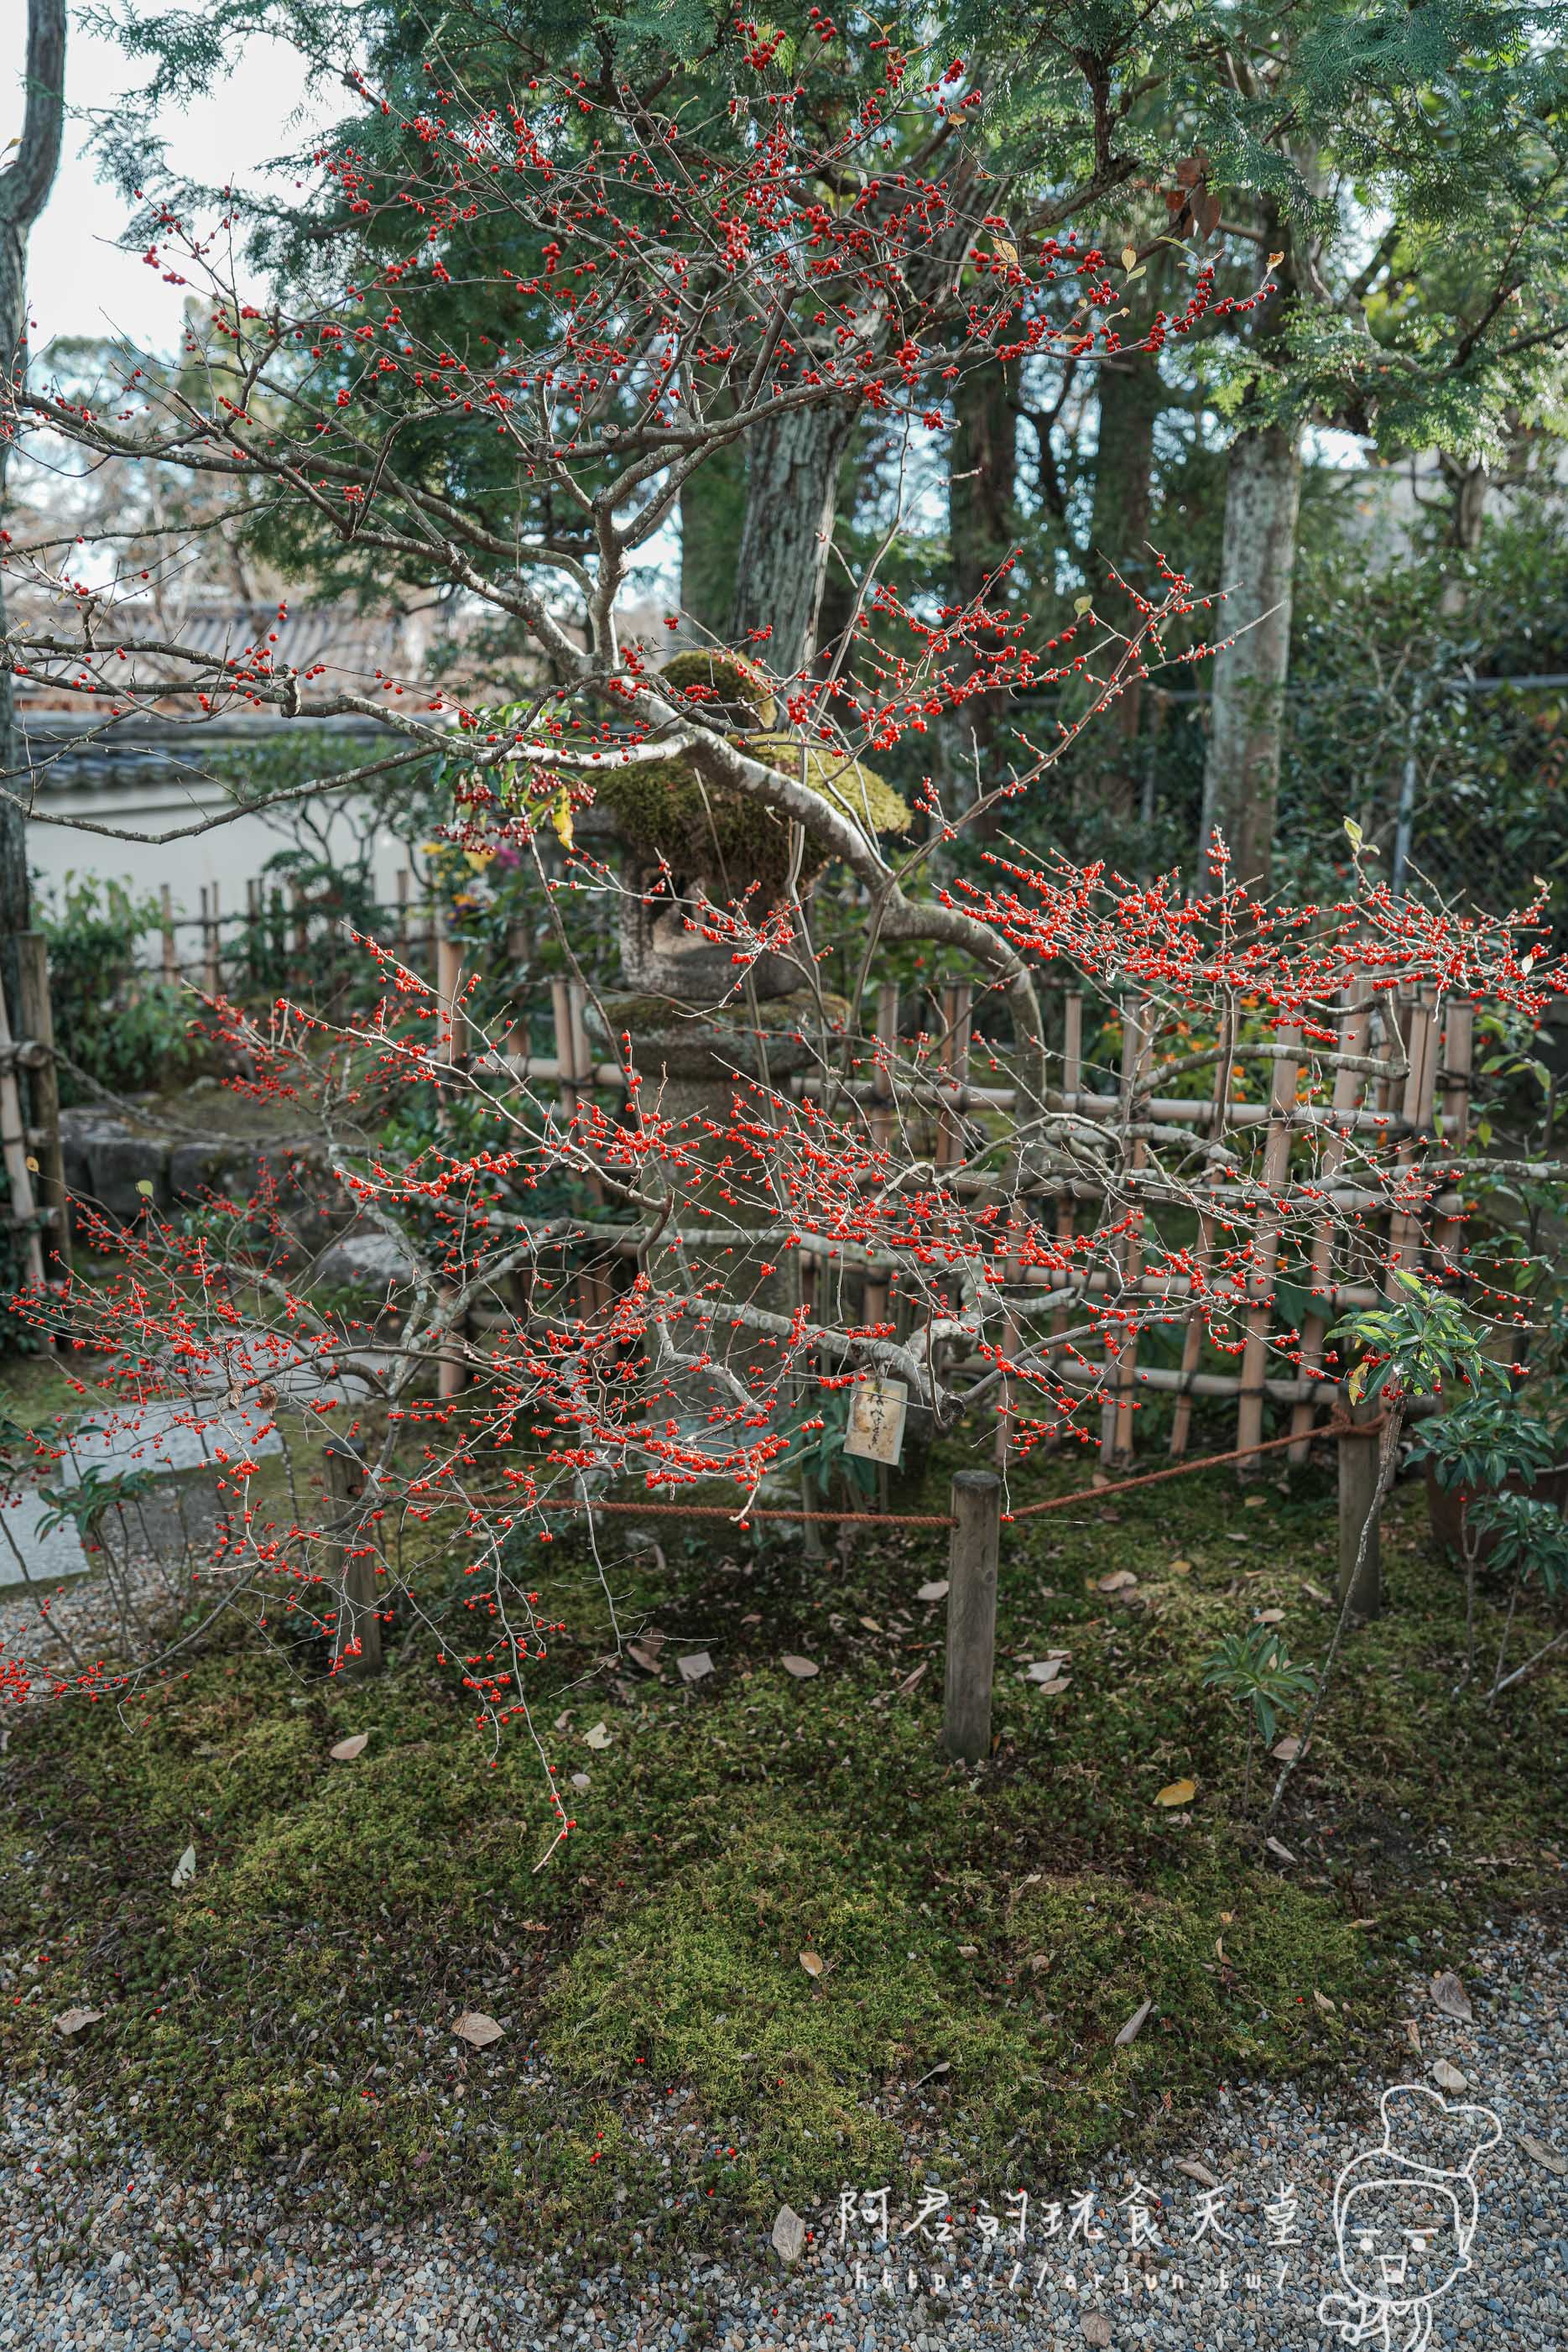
(79, 282)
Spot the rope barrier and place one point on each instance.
(1338, 1427)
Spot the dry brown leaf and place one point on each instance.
(1413, 2034)
(478, 2029)
(936, 1590)
(1281, 1853)
(1121, 1579)
(347, 1749)
(1322, 2002)
(789, 2234)
(869, 1623)
(812, 1963)
(752, 1617)
(1097, 2329)
(1196, 2171)
(1449, 1995)
(645, 1653)
(1543, 2154)
(1255, 1502)
(969, 1951)
(580, 1781)
(1055, 1688)
(1287, 1749)
(75, 2021)
(1134, 2025)
(598, 1735)
(1447, 2077)
(1177, 1793)
(1315, 1592)
(801, 1668)
(1180, 1567)
(1269, 1617)
(907, 1684)
(692, 1668)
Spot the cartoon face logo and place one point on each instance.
(1400, 2239)
(1405, 2214)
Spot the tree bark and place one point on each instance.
(712, 510)
(1131, 398)
(1241, 774)
(982, 530)
(24, 191)
(781, 563)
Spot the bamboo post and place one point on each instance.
(1276, 1175)
(1071, 1082)
(1459, 1051)
(36, 1021)
(1116, 1414)
(14, 1147)
(880, 1119)
(1405, 1231)
(351, 1566)
(166, 926)
(449, 995)
(953, 1060)
(977, 1502)
(1192, 1341)
(451, 1371)
(1349, 1087)
(1359, 1471)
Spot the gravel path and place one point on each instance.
(132, 2258)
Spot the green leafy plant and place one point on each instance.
(1484, 1443)
(1254, 1671)
(1530, 1543)
(1415, 1346)
(119, 1023)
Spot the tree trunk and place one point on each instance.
(24, 191)
(982, 532)
(781, 563)
(1131, 397)
(1241, 775)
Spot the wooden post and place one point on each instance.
(1358, 1476)
(1138, 1021)
(1458, 1050)
(36, 1021)
(952, 1061)
(972, 1615)
(350, 1566)
(449, 989)
(167, 907)
(1404, 1235)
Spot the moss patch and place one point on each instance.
(984, 1937)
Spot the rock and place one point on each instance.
(789, 2234)
(366, 1261)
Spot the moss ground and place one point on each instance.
(668, 2061)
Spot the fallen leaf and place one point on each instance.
(969, 1951)
(1322, 2002)
(907, 1684)
(936, 1590)
(1180, 1567)
(812, 1963)
(1255, 1502)
(692, 1669)
(801, 1668)
(1196, 2171)
(1315, 1592)
(478, 2029)
(1055, 1688)
(789, 2234)
(752, 1617)
(1282, 1852)
(1363, 1923)
(185, 1868)
(347, 1749)
(73, 2021)
(1096, 2328)
(1449, 1995)
(1447, 2077)
(1413, 2034)
(869, 1623)
(1527, 2140)
(1178, 1792)
(645, 1653)
(1269, 1617)
(1044, 1670)
(1287, 1749)
(1121, 1579)
(1134, 2025)
(598, 1737)
(580, 1781)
